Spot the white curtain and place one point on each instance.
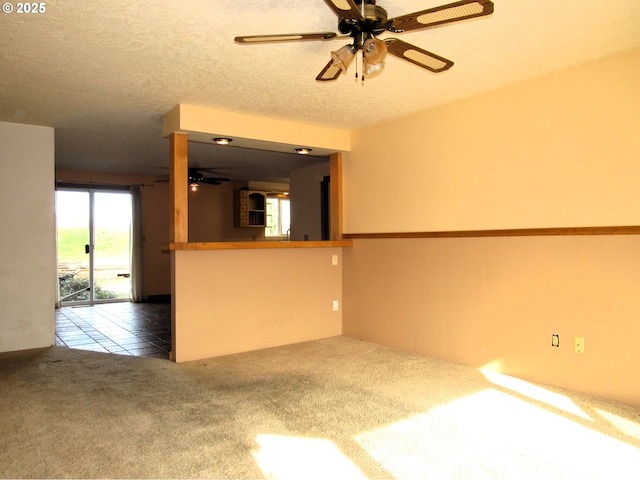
(55, 223)
(136, 244)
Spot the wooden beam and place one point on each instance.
(335, 194)
(515, 232)
(178, 187)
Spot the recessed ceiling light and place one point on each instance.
(223, 141)
(303, 151)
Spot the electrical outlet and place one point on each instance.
(334, 260)
(555, 340)
(578, 343)
(335, 305)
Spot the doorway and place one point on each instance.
(93, 245)
(325, 207)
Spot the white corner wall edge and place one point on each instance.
(27, 238)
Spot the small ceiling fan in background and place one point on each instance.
(363, 20)
(196, 177)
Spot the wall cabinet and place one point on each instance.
(250, 208)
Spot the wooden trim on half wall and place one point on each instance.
(514, 232)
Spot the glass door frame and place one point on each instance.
(91, 190)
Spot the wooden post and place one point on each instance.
(179, 215)
(335, 170)
(178, 186)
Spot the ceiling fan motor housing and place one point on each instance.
(374, 23)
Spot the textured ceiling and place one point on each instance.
(103, 73)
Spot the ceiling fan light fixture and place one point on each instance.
(303, 151)
(374, 51)
(223, 141)
(343, 57)
(372, 70)
(193, 186)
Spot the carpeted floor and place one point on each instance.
(335, 408)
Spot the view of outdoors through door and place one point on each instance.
(94, 229)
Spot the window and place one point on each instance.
(278, 216)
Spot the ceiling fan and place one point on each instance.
(196, 177)
(363, 21)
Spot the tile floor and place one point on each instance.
(123, 328)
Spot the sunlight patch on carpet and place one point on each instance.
(535, 392)
(285, 457)
(492, 434)
(626, 426)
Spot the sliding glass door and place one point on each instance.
(94, 245)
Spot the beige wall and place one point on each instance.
(230, 301)
(155, 223)
(562, 150)
(306, 211)
(27, 238)
(496, 301)
(157, 264)
(211, 215)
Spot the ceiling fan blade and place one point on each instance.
(329, 72)
(451, 12)
(346, 9)
(210, 181)
(417, 56)
(286, 37)
(217, 170)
